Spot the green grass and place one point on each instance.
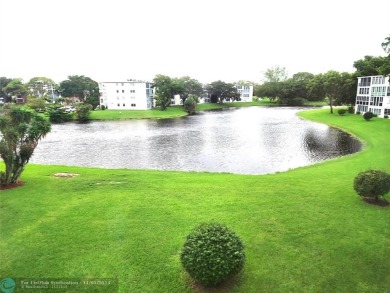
(170, 112)
(304, 230)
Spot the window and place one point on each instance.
(375, 111)
(124, 104)
(361, 108)
(123, 91)
(376, 101)
(132, 91)
(119, 105)
(365, 81)
(117, 91)
(387, 112)
(133, 105)
(123, 84)
(362, 100)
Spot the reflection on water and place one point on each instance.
(255, 140)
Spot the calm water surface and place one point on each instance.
(253, 140)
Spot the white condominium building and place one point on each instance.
(373, 95)
(246, 92)
(126, 95)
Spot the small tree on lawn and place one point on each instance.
(190, 104)
(372, 184)
(368, 116)
(83, 111)
(20, 130)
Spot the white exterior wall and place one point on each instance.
(246, 92)
(176, 100)
(373, 95)
(126, 95)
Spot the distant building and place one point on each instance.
(42, 89)
(126, 95)
(373, 95)
(246, 92)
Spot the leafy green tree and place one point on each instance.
(189, 86)
(275, 74)
(15, 88)
(270, 90)
(3, 83)
(37, 104)
(291, 92)
(58, 113)
(371, 65)
(81, 87)
(165, 89)
(386, 45)
(301, 81)
(20, 129)
(83, 111)
(42, 87)
(347, 94)
(221, 91)
(315, 88)
(333, 87)
(190, 104)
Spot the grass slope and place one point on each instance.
(305, 230)
(170, 112)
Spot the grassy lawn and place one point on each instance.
(170, 112)
(305, 230)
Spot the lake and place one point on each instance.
(252, 140)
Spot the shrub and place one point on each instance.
(212, 253)
(351, 109)
(358, 113)
(372, 183)
(292, 102)
(368, 115)
(190, 104)
(102, 107)
(386, 116)
(341, 111)
(58, 113)
(83, 111)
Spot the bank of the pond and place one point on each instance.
(170, 112)
(304, 230)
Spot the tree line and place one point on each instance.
(335, 87)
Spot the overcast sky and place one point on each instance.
(207, 40)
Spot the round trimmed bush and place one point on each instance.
(341, 111)
(372, 183)
(368, 115)
(212, 253)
